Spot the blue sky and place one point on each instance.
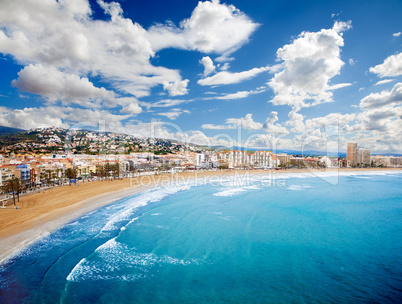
(297, 75)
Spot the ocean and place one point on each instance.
(306, 238)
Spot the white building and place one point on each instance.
(5, 174)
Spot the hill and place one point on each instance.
(9, 131)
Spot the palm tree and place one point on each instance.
(71, 173)
(116, 170)
(13, 185)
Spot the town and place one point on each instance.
(47, 157)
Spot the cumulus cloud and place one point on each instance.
(333, 119)
(161, 129)
(391, 67)
(296, 120)
(176, 88)
(386, 119)
(55, 85)
(380, 122)
(129, 106)
(225, 77)
(246, 122)
(397, 34)
(271, 127)
(208, 64)
(64, 117)
(64, 35)
(212, 28)
(309, 63)
(385, 98)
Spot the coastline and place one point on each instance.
(40, 214)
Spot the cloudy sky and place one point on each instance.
(267, 74)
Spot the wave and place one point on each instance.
(230, 192)
(236, 191)
(132, 204)
(298, 187)
(116, 261)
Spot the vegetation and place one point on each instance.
(71, 173)
(13, 185)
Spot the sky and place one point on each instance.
(272, 75)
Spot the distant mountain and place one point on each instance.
(8, 130)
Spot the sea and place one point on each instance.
(295, 238)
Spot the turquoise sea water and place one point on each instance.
(300, 240)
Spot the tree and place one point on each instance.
(116, 170)
(71, 173)
(12, 185)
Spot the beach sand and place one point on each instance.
(41, 213)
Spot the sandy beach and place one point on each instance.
(41, 213)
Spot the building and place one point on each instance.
(395, 161)
(284, 158)
(364, 157)
(351, 154)
(5, 174)
(200, 159)
(381, 161)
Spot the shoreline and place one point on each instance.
(40, 214)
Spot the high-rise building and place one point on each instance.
(363, 157)
(351, 153)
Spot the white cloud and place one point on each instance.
(380, 122)
(385, 119)
(176, 88)
(131, 108)
(160, 129)
(309, 63)
(208, 64)
(29, 118)
(237, 95)
(242, 94)
(246, 122)
(384, 81)
(391, 67)
(166, 103)
(224, 67)
(270, 142)
(199, 138)
(55, 85)
(385, 98)
(334, 119)
(397, 34)
(174, 113)
(218, 127)
(338, 86)
(225, 77)
(212, 28)
(65, 117)
(296, 120)
(270, 126)
(64, 35)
